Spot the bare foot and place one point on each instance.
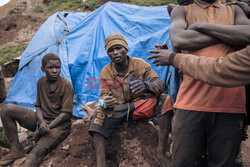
(161, 159)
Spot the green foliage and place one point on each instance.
(82, 5)
(38, 9)
(18, 9)
(93, 4)
(9, 52)
(4, 142)
(151, 2)
(64, 5)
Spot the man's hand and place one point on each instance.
(44, 128)
(34, 136)
(110, 101)
(161, 57)
(197, 26)
(137, 86)
(161, 46)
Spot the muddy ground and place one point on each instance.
(131, 145)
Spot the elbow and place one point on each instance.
(66, 116)
(177, 39)
(179, 43)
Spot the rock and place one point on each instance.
(66, 147)
(19, 162)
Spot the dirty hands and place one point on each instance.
(34, 136)
(110, 101)
(161, 46)
(198, 26)
(137, 86)
(161, 56)
(44, 128)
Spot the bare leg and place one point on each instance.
(36, 156)
(99, 142)
(11, 113)
(164, 123)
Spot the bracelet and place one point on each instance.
(171, 57)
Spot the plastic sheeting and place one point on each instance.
(81, 39)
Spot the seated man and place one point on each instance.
(54, 105)
(129, 90)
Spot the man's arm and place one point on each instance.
(244, 6)
(59, 120)
(43, 126)
(236, 35)
(183, 38)
(105, 93)
(232, 70)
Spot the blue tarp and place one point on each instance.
(82, 51)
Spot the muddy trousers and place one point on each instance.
(222, 131)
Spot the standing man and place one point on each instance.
(201, 109)
(229, 71)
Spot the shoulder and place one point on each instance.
(65, 81)
(106, 70)
(179, 10)
(139, 63)
(41, 80)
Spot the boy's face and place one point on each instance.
(117, 54)
(52, 70)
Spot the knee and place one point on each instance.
(6, 109)
(39, 151)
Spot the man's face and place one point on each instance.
(52, 70)
(117, 54)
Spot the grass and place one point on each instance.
(64, 5)
(78, 5)
(38, 9)
(151, 2)
(9, 52)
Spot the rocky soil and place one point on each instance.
(19, 21)
(131, 145)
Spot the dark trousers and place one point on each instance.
(222, 131)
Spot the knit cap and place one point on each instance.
(115, 39)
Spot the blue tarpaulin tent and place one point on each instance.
(78, 39)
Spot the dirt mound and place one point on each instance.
(11, 25)
(131, 145)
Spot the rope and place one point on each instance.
(64, 34)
